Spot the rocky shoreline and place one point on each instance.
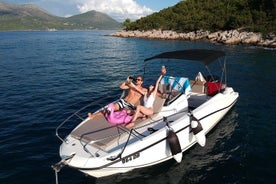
(230, 37)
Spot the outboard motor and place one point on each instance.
(174, 145)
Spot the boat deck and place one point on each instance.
(100, 133)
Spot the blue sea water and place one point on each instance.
(46, 76)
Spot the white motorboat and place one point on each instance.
(188, 111)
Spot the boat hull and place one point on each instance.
(151, 149)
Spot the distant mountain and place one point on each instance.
(31, 17)
(92, 20)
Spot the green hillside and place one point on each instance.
(31, 17)
(212, 15)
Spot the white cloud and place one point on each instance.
(117, 9)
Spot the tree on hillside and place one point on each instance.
(126, 24)
(212, 15)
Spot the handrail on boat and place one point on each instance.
(67, 119)
(125, 130)
(119, 155)
(134, 130)
(78, 116)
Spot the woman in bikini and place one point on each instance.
(147, 108)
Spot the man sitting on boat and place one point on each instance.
(133, 98)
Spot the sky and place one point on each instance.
(117, 9)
